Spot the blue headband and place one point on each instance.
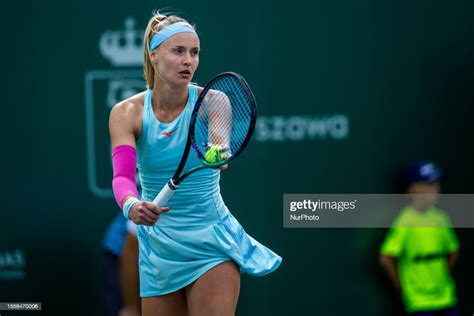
(167, 32)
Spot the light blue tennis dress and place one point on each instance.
(199, 232)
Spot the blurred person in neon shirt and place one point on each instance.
(421, 247)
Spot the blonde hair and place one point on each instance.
(156, 23)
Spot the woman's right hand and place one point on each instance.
(146, 213)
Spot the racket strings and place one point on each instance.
(225, 115)
(230, 119)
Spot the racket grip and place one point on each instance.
(165, 194)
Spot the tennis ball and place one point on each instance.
(216, 154)
(212, 154)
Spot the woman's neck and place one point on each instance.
(167, 98)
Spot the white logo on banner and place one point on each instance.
(123, 47)
(105, 88)
(301, 128)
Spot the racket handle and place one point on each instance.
(165, 194)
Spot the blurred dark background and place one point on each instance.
(349, 92)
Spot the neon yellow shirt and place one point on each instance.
(421, 242)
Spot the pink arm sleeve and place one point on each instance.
(124, 160)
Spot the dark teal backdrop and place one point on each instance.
(349, 92)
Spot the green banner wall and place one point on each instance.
(349, 92)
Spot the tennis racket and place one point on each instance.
(222, 123)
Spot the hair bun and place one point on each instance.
(158, 17)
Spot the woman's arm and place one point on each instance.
(122, 136)
(124, 121)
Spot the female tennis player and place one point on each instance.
(190, 256)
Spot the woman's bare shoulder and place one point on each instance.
(133, 103)
(130, 107)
